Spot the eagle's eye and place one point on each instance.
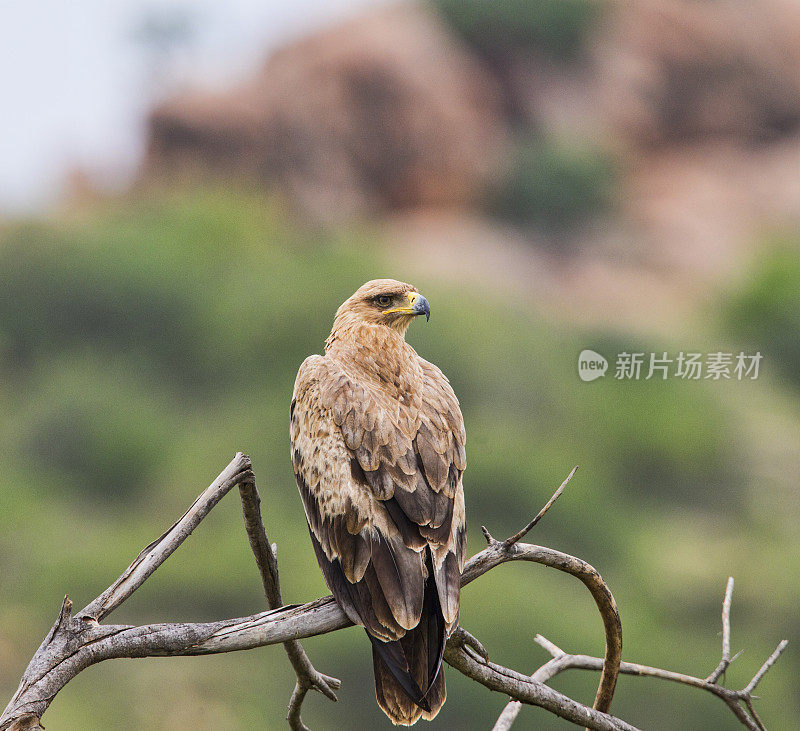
(383, 300)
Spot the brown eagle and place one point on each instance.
(378, 452)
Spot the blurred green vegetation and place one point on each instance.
(558, 28)
(765, 311)
(142, 345)
(556, 186)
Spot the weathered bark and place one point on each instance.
(75, 643)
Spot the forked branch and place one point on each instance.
(266, 560)
(510, 550)
(732, 698)
(75, 643)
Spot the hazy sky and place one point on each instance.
(77, 77)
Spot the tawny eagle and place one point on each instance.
(378, 452)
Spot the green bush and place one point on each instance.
(556, 186)
(108, 437)
(557, 27)
(61, 289)
(765, 312)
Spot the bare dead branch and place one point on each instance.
(73, 644)
(259, 543)
(152, 556)
(498, 552)
(519, 535)
(77, 644)
(295, 703)
(307, 676)
(503, 680)
(726, 635)
(768, 663)
(733, 698)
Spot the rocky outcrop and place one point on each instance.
(389, 111)
(676, 71)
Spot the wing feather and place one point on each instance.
(380, 482)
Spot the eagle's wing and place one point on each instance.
(439, 449)
(380, 481)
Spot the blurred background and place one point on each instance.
(188, 190)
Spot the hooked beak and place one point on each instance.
(419, 305)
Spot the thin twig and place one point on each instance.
(566, 661)
(498, 552)
(726, 635)
(153, 555)
(551, 647)
(748, 701)
(769, 662)
(295, 703)
(509, 714)
(563, 661)
(307, 675)
(259, 543)
(519, 535)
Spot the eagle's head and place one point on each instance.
(382, 302)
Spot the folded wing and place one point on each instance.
(380, 480)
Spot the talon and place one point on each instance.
(462, 638)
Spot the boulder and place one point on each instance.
(387, 111)
(676, 71)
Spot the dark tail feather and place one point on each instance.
(409, 680)
(392, 669)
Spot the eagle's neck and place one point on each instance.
(377, 353)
